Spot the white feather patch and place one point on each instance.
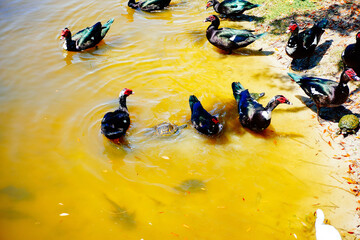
(266, 115)
(314, 92)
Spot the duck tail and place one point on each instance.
(133, 4)
(105, 28)
(260, 35)
(295, 77)
(237, 89)
(192, 101)
(251, 6)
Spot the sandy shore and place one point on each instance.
(326, 63)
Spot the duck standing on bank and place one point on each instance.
(231, 8)
(325, 231)
(325, 92)
(86, 38)
(252, 114)
(228, 39)
(351, 55)
(114, 124)
(303, 44)
(149, 5)
(201, 120)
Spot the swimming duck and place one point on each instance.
(228, 39)
(351, 55)
(201, 120)
(324, 92)
(303, 44)
(252, 114)
(86, 38)
(231, 8)
(325, 231)
(114, 124)
(149, 5)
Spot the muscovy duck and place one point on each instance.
(303, 44)
(86, 38)
(114, 124)
(149, 5)
(231, 8)
(325, 231)
(252, 114)
(201, 120)
(351, 55)
(325, 92)
(228, 39)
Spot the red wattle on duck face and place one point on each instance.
(215, 120)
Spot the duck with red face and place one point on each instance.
(303, 44)
(115, 124)
(86, 38)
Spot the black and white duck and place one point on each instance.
(149, 5)
(253, 115)
(351, 55)
(231, 8)
(325, 92)
(228, 39)
(86, 38)
(114, 124)
(201, 120)
(303, 44)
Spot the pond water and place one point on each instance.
(61, 179)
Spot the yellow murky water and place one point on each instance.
(61, 179)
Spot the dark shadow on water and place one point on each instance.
(314, 60)
(245, 52)
(121, 215)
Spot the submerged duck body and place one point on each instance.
(201, 120)
(231, 8)
(351, 55)
(86, 38)
(149, 5)
(325, 92)
(303, 44)
(228, 39)
(115, 124)
(253, 115)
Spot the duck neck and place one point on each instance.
(216, 5)
(214, 25)
(70, 44)
(122, 102)
(272, 105)
(357, 44)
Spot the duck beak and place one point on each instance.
(62, 37)
(287, 31)
(356, 78)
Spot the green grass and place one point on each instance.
(275, 9)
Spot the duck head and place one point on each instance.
(126, 92)
(210, 3)
(65, 33)
(281, 99)
(292, 27)
(348, 75)
(215, 126)
(215, 21)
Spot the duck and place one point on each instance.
(253, 115)
(231, 8)
(228, 39)
(325, 231)
(115, 124)
(86, 38)
(325, 92)
(201, 120)
(351, 55)
(149, 5)
(303, 44)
